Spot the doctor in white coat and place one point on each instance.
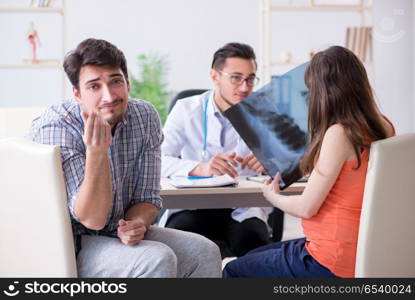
(200, 141)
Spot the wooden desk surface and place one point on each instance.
(245, 194)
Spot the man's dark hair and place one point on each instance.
(93, 52)
(232, 50)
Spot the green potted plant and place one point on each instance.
(150, 84)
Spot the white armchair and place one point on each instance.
(35, 228)
(15, 121)
(386, 244)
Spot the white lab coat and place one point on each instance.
(182, 148)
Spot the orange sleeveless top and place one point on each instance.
(331, 234)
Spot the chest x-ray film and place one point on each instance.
(273, 123)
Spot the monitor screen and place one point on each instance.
(273, 123)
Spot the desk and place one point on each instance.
(245, 194)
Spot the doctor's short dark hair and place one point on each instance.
(93, 52)
(232, 50)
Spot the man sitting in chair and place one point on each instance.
(110, 148)
(200, 141)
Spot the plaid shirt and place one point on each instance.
(134, 157)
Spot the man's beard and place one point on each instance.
(113, 120)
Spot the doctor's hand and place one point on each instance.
(131, 232)
(97, 132)
(218, 165)
(252, 163)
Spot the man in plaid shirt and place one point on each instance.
(110, 148)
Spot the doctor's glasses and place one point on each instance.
(238, 79)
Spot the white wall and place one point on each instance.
(188, 32)
(394, 61)
(302, 32)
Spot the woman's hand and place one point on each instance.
(271, 189)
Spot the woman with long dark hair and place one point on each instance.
(343, 121)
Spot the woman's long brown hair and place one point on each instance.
(340, 93)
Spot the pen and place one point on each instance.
(258, 178)
(198, 177)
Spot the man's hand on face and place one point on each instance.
(131, 232)
(252, 163)
(97, 132)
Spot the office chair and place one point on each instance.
(15, 121)
(184, 94)
(35, 228)
(386, 245)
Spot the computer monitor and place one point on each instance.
(273, 123)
